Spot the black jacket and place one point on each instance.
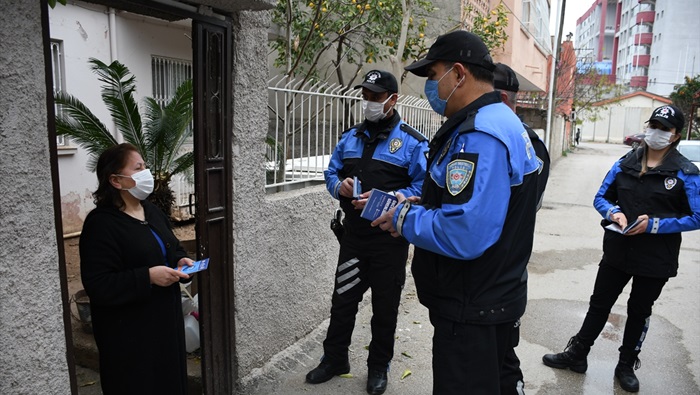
(663, 194)
(138, 327)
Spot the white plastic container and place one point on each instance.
(191, 333)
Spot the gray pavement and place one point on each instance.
(562, 269)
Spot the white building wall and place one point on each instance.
(619, 119)
(676, 49)
(587, 33)
(85, 32)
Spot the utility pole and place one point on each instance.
(552, 80)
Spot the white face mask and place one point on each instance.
(657, 139)
(374, 111)
(144, 184)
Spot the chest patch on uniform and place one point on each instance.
(669, 183)
(395, 144)
(459, 173)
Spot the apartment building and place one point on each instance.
(650, 45)
(529, 47)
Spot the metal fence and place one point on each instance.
(306, 121)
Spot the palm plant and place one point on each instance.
(159, 135)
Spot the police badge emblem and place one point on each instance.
(395, 144)
(669, 183)
(372, 77)
(459, 173)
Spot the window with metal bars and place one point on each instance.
(168, 74)
(59, 80)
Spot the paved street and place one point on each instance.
(562, 270)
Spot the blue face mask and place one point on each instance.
(433, 96)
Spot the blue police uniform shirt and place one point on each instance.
(487, 162)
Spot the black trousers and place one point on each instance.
(468, 359)
(511, 375)
(609, 284)
(379, 263)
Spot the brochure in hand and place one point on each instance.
(616, 228)
(197, 266)
(356, 188)
(378, 203)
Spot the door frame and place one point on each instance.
(217, 319)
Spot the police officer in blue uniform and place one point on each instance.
(473, 229)
(385, 153)
(506, 82)
(660, 189)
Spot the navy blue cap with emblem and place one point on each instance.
(669, 116)
(379, 81)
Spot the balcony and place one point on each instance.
(647, 1)
(639, 81)
(645, 17)
(643, 38)
(641, 60)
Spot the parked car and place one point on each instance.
(691, 150)
(633, 140)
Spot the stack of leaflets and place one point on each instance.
(378, 203)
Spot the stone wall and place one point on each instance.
(32, 336)
(284, 251)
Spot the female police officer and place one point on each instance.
(660, 189)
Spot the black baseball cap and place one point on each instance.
(458, 46)
(379, 81)
(505, 79)
(669, 116)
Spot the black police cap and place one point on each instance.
(458, 46)
(505, 79)
(379, 81)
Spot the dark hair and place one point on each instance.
(110, 162)
(478, 72)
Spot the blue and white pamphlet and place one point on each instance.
(356, 188)
(197, 266)
(378, 203)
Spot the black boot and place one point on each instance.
(376, 381)
(624, 371)
(573, 357)
(325, 371)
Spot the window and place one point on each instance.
(526, 11)
(168, 74)
(59, 79)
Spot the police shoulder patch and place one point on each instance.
(459, 173)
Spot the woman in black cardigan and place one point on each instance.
(130, 262)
